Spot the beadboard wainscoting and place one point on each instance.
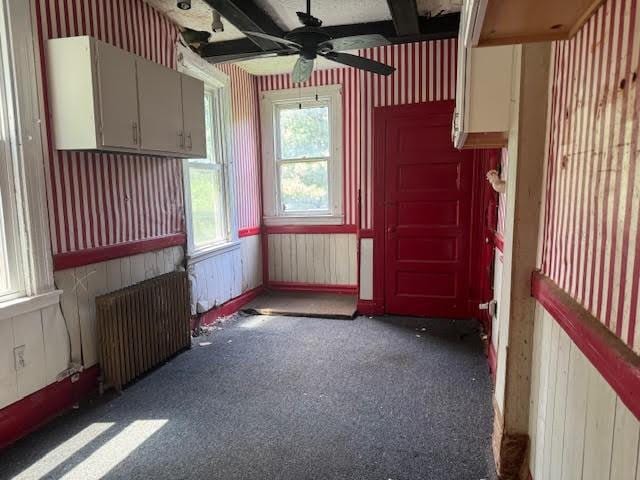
(316, 258)
(578, 425)
(81, 285)
(220, 277)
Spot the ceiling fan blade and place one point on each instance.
(236, 57)
(283, 41)
(302, 70)
(359, 62)
(355, 42)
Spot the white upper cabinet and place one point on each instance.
(483, 92)
(103, 98)
(160, 108)
(195, 141)
(117, 85)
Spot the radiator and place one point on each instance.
(141, 326)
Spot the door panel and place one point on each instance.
(427, 214)
(160, 107)
(118, 96)
(193, 112)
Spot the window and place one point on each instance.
(26, 276)
(208, 186)
(11, 277)
(302, 155)
(207, 181)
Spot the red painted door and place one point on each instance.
(427, 204)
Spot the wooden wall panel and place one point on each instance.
(218, 278)
(81, 285)
(46, 352)
(324, 259)
(591, 240)
(251, 258)
(366, 269)
(579, 428)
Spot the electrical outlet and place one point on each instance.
(18, 356)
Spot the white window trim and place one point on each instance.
(191, 64)
(268, 103)
(23, 80)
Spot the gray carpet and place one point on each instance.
(287, 398)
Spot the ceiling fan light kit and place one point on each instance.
(311, 40)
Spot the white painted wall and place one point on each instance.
(80, 286)
(579, 428)
(46, 352)
(329, 259)
(497, 289)
(366, 269)
(219, 277)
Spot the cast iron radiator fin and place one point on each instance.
(141, 326)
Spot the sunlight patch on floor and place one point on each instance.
(64, 451)
(109, 455)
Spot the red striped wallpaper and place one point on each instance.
(97, 200)
(246, 146)
(591, 242)
(426, 71)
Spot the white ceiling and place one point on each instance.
(283, 12)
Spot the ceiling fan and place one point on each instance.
(311, 40)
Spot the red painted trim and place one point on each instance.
(249, 232)
(367, 233)
(62, 261)
(369, 307)
(498, 241)
(314, 287)
(230, 307)
(618, 364)
(26, 415)
(311, 229)
(492, 359)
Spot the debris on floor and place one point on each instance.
(201, 333)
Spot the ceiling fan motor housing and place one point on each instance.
(309, 38)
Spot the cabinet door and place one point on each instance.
(160, 108)
(117, 97)
(193, 113)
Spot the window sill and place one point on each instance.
(208, 252)
(304, 220)
(23, 305)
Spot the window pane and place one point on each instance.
(304, 186)
(207, 206)
(209, 122)
(304, 132)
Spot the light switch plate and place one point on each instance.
(18, 356)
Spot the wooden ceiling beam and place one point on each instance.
(405, 17)
(245, 15)
(433, 28)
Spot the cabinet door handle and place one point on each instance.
(189, 142)
(134, 126)
(181, 139)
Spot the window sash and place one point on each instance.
(12, 282)
(279, 160)
(295, 105)
(216, 163)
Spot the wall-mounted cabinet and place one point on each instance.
(103, 98)
(483, 95)
(508, 22)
